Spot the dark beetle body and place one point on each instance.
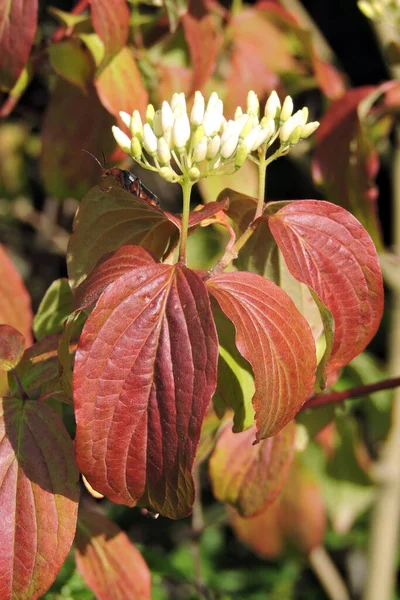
(131, 183)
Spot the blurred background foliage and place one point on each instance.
(89, 62)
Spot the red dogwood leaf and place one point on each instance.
(120, 85)
(110, 20)
(248, 476)
(108, 561)
(145, 371)
(108, 269)
(38, 497)
(18, 22)
(277, 342)
(200, 33)
(109, 219)
(15, 304)
(326, 248)
(12, 344)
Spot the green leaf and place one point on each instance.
(54, 308)
(67, 19)
(235, 387)
(72, 63)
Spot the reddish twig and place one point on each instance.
(355, 392)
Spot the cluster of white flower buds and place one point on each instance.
(381, 10)
(178, 145)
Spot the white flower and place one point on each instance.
(181, 148)
(149, 139)
(197, 114)
(122, 139)
(272, 106)
(287, 109)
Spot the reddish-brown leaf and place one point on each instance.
(108, 269)
(38, 497)
(108, 561)
(145, 371)
(12, 344)
(262, 534)
(277, 342)
(110, 20)
(200, 33)
(250, 477)
(109, 219)
(18, 22)
(15, 304)
(299, 516)
(120, 86)
(326, 248)
(202, 213)
(73, 122)
(346, 162)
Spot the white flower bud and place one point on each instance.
(263, 135)
(253, 105)
(163, 152)
(167, 117)
(230, 145)
(181, 131)
(309, 129)
(200, 150)
(287, 128)
(178, 104)
(122, 139)
(227, 130)
(212, 122)
(194, 174)
(197, 136)
(287, 109)
(136, 125)
(136, 148)
(241, 123)
(125, 118)
(197, 114)
(168, 174)
(251, 138)
(150, 114)
(212, 101)
(238, 112)
(272, 106)
(157, 127)
(304, 112)
(149, 140)
(213, 147)
(168, 137)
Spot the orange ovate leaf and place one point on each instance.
(326, 248)
(108, 561)
(15, 304)
(38, 497)
(248, 476)
(111, 22)
(277, 342)
(145, 371)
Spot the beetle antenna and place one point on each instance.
(96, 159)
(104, 158)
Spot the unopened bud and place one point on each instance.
(241, 155)
(287, 109)
(194, 174)
(122, 139)
(253, 105)
(200, 150)
(125, 118)
(136, 148)
(168, 174)
(157, 126)
(309, 129)
(272, 106)
(163, 152)
(136, 125)
(150, 114)
(197, 114)
(213, 147)
(294, 137)
(149, 140)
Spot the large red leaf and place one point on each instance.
(120, 86)
(248, 476)
(12, 344)
(145, 371)
(109, 219)
(111, 22)
(73, 122)
(108, 561)
(108, 269)
(38, 497)
(18, 22)
(326, 248)
(277, 342)
(15, 304)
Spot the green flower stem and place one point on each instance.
(262, 170)
(187, 191)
